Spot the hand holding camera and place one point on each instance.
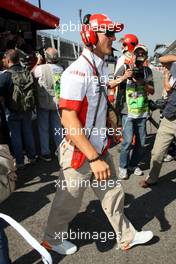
(128, 74)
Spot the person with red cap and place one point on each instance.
(83, 154)
(129, 42)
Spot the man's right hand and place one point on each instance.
(101, 170)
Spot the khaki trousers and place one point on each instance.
(164, 137)
(68, 198)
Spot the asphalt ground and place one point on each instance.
(149, 209)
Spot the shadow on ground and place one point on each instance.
(140, 210)
(23, 204)
(152, 204)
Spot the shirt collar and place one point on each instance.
(90, 55)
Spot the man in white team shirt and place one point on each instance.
(80, 94)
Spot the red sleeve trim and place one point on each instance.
(70, 104)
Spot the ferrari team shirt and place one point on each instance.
(80, 92)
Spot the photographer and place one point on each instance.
(133, 105)
(166, 132)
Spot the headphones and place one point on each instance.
(88, 35)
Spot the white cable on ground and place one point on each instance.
(46, 257)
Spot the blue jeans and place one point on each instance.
(4, 251)
(130, 127)
(20, 128)
(48, 119)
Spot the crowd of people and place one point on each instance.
(78, 98)
(22, 92)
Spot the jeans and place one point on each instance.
(4, 251)
(48, 119)
(130, 127)
(20, 127)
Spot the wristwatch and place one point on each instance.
(92, 160)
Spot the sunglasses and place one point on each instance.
(132, 43)
(108, 33)
(140, 53)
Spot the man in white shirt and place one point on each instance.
(48, 76)
(83, 155)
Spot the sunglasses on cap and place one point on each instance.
(132, 43)
(108, 33)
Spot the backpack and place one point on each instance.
(23, 95)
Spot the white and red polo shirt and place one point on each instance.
(80, 92)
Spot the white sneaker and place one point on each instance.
(136, 171)
(123, 175)
(139, 238)
(64, 248)
(168, 158)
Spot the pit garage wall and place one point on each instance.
(68, 50)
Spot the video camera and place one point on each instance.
(157, 104)
(40, 52)
(138, 73)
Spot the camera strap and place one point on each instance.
(95, 73)
(102, 90)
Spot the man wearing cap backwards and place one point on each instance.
(80, 93)
(137, 84)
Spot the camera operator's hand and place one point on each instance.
(149, 89)
(39, 59)
(166, 79)
(100, 169)
(128, 74)
(166, 73)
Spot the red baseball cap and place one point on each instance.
(103, 22)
